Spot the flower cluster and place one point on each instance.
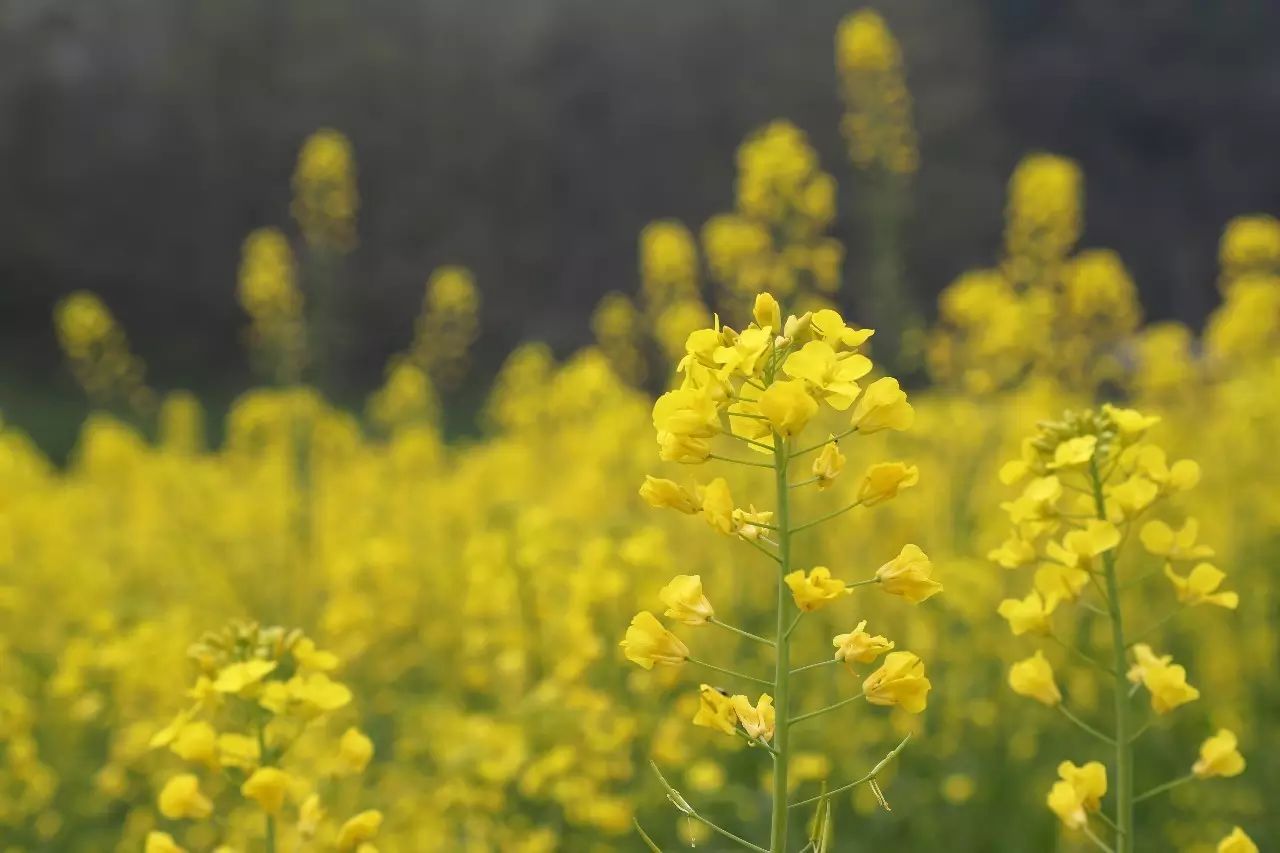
(757, 391)
(1090, 483)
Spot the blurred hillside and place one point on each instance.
(532, 139)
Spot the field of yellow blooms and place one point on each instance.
(716, 581)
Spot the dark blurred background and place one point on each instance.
(531, 140)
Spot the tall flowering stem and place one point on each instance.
(761, 388)
(1091, 479)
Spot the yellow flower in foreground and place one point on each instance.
(648, 642)
(1219, 756)
(239, 677)
(267, 787)
(359, 829)
(900, 680)
(1028, 615)
(1163, 541)
(907, 575)
(685, 600)
(1074, 451)
(235, 750)
(355, 750)
(181, 798)
(788, 406)
(715, 710)
(883, 406)
(815, 589)
(667, 493)
(317, 693)
(1164, 680)
(1033, 677)
(717, 505)
(1200, 586)
(828, 464)
(757, 720)
(766, 312)
(860, 647)
(833, 377)
(884, 480)
(1237, 842)
(162, 842)
(1130, 422)
(830, 326)
(1080, 790)
(196, 742)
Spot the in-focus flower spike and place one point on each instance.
(907, 575)
(648, 642)
(815, 589)
(900, 681)
(686, 601)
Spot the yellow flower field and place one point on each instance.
(722, 580)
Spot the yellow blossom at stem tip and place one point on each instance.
(815, 589)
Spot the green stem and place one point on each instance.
(857, 584)
(271, 820)
(1083, 725)
(746, 462)
(873, 773)
(682, 805)
(734, 673)
(1084, 657)
(821, 518)
(814, 665)
(739, 631)
(822, 711)
(760, 548)
(823, 444)
(1099, 843)
(782, 670)
(1123, 730)
(1160, 789)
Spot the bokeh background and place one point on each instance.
(531, 140)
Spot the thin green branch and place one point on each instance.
(1084, 726)
(814, 665)
(1098, 842)
(682, 805)
(821, 711)
(1081, 655)
(761, 549)
(730, 672)
(750, 636)
(746, 462)
(1160, 789)
(766, 447)
(644, 835)
(871, 774)
(826, 517)
(823, 444)
(1155, 626)
(857, 584)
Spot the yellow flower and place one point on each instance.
(1028, 615)
(1130, 422)
(1163, 541)
(355, 750)
(1074, 451)
(745, 355)
(181, 798)
(196, 742)
(860, 647)
(685, 600)
(758, 720)
(1037, 502)
(907, 575)
(884, 480)
(715, 710)
(243, 676)
(833, 377)
(1199, 586)
(358, 830)
(883, 406)
(1164, 680)
(815, 589)
(685, 419)
(1237, 842)
(767, 313)
(900, 680)
(717, 505)
(1219, 756)
(1033, 677)
(311, 658)
(649, 642)
(162, 842)
(238, 751)
(1013, 553)
(1080, 790)
(788, 406)
(317, 693)
(828, 464)
(310, 814)
(267, 787)
(1125, 500)
(660, 493)
(830, 326)
(1096, 537)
